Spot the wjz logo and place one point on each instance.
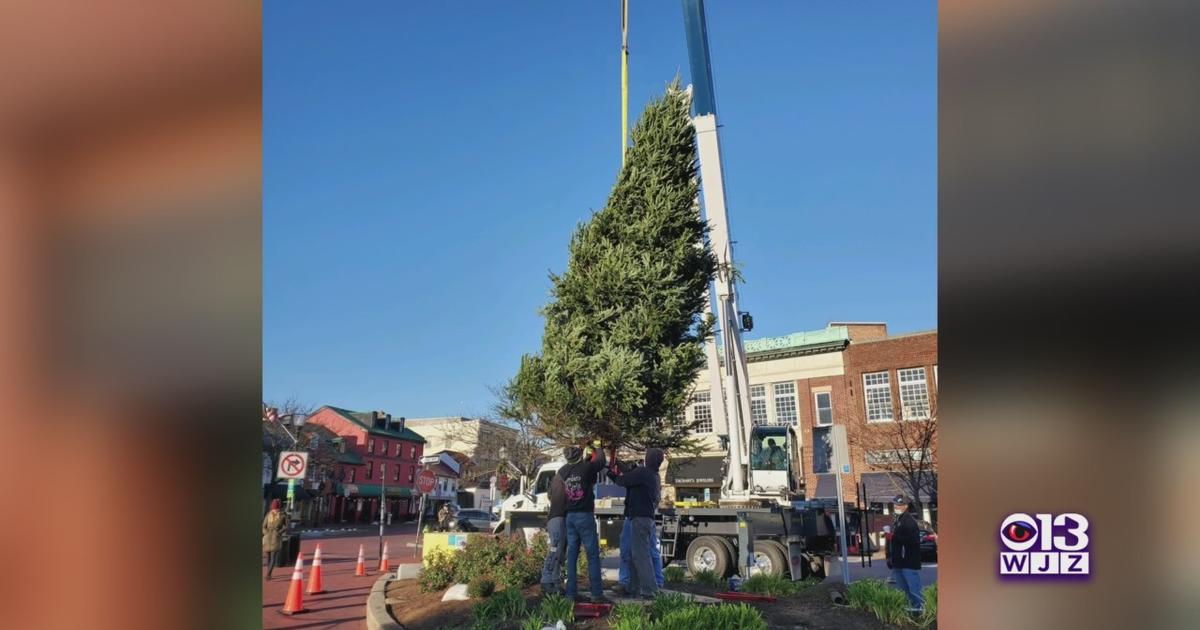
(1044, 545)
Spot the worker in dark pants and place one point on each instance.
(556, 531)
(641, 500)
(579, 479)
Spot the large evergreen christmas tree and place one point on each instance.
(624, 331)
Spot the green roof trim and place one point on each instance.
(406, 434)
(807, 342)
(373, 491)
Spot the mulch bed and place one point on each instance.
(811, 609)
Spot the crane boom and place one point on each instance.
(730, 381)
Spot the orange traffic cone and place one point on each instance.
(314, 575)
(361, 569)
(383, 563)
(294, 603)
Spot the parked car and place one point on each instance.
(475, 521)
(928, 541)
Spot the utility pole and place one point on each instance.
(624, 79)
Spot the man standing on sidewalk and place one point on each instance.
(641, 500)
(556, 531)
(904, 557)
(579, 478)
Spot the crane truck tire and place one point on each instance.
(709, 553)
(769, 558)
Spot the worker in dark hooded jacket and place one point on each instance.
(642, 492)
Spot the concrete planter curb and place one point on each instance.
(377, 613)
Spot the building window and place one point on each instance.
(412, 452)
(785, 403)
(370, 467)
(914, 394)
(352, 471)
(822, 450)
(411, 473)
(824, 403)
(758, 405)
(935, 379)
(371, 445)
(877, 394)
(398, 447)
(702, 412)
(383, 448)
(396, 475)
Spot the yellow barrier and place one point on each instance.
(443, 540)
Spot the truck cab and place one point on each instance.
(774, 461)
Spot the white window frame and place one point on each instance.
(886, 386)
(764, 398)
(371, 446)
(913, 384)
(817, 407)
(776, 398)
(698, 399)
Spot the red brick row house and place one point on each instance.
(380, 455)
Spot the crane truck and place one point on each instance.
(761, 522)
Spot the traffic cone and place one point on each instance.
(361, 569)
(294, 604)
(314, 575)
(383, 563)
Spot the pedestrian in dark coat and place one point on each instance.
(904, 556)
(273, 526)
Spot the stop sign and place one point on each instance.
(425, 481)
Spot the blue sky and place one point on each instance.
(424, 164)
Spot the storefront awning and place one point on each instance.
(279, 491)
(826, 487)
(884, 487)
(696, 472)
(361, 490)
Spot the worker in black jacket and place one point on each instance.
(579, 478)
(642, 491)
(904, 555)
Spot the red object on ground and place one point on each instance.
(586, 609)
(294, 604)
(383, 562)
(743, 597)
(314, 575)
(361, 569)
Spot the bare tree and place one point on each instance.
(282, 424)
(908, 450)
(511, 446)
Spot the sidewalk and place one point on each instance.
(343, 605)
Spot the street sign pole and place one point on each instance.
(382, 502)
(841, 463)
(420, 518)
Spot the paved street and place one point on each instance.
(342, 606)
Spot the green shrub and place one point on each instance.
(930, 615)
(719, 617)
(773, 585)
(708, 578)
(674, 574)
(535, 621)
(556, 607)
(439, 570)
(665, 603)
(887, 603)
(629, 617)
(481, 586)
(510, 603)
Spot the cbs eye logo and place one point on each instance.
(1044, 545)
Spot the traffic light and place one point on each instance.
(747, 322)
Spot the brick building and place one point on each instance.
(378, 445)
(849, 373)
